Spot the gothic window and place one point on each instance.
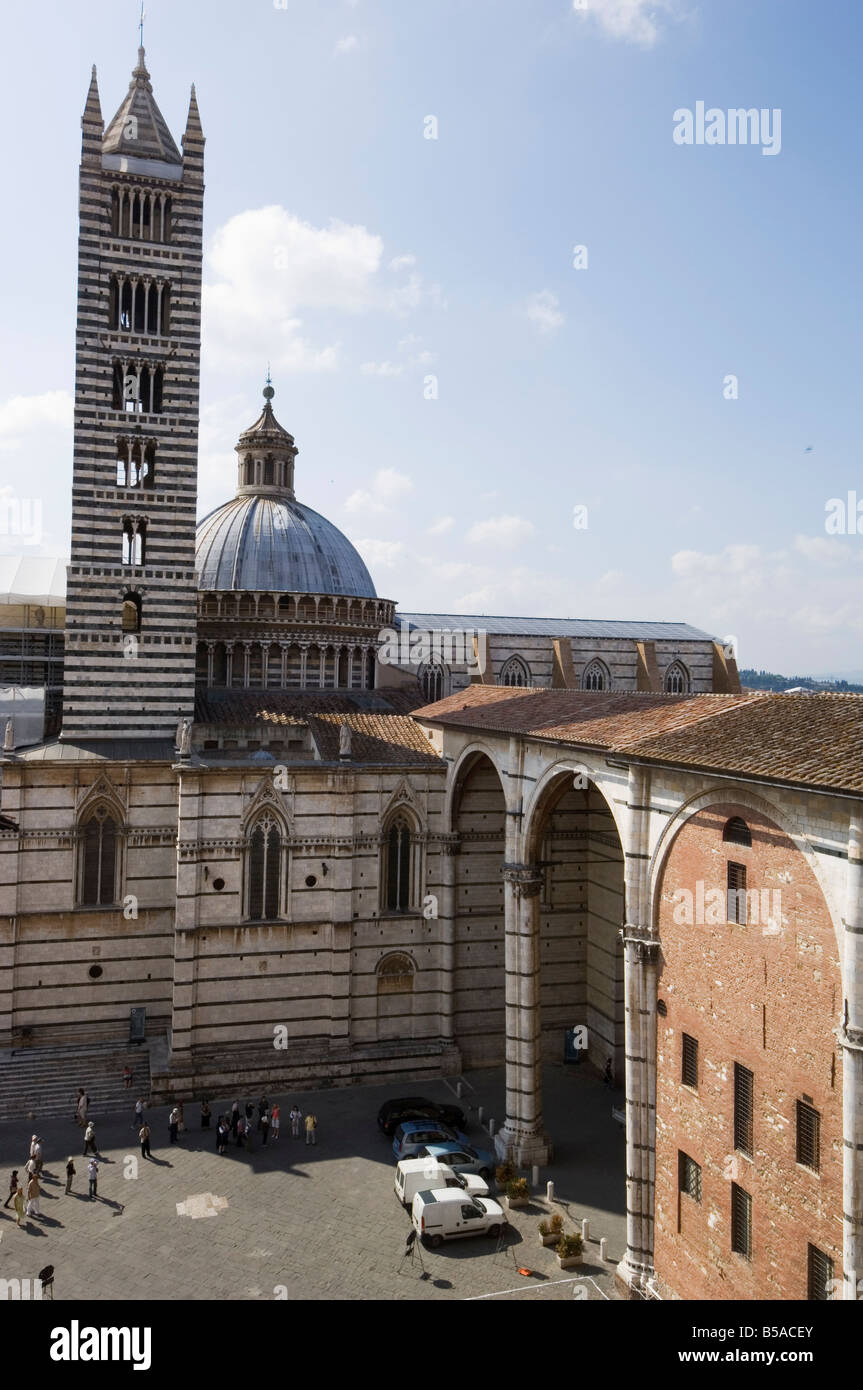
(136, 463)
(398, 876)
(595, 676)
(434, 681)
(268, 470)
(515, 672)
(134, 537)
(97, 872)
(677, 679)
(131, 613)
(137, 388)
(370, 670)
(139, 215)
(737, 832)
(264, 870)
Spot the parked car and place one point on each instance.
(462, 1158)
(393, 1112)
(447, 1213)
(415, 1174)
(413, 1135)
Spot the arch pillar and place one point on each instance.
(851, 1042)
(446, 912)
(522, 1139)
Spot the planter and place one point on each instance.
(513, 1202)
(550, 1240)
(569, 1261)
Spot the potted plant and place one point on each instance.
(551, 1230)
(569, 1251)
(504, 1174)
(517, 1193)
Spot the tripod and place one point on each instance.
(413, 1252)
(503, 1248)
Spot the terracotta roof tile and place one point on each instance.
(377, 738)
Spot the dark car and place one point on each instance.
(393, 1112)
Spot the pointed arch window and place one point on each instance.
(595, 676)
(515, 672)
(677, 679)
(97, 872)
(264, 870)
(433, 680)
(131, 617)
(400, 875)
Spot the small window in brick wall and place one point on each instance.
(736, 892)
(737, 832)
(689, 1061)
(808, 1136)
(741, 1221)
(688, 1176)
(820, 1277)
(744, 1086)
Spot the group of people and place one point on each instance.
(239, 1124)
(25, 1193)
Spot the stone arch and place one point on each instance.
(395, 980)
(459, 770)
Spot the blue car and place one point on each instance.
(462, 1158)
(413, 1135)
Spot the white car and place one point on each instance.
(422, 1174)
(448, 1213)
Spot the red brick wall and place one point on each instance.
(770, 1002)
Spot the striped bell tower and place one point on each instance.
(131, 594)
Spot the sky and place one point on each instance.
(539, 356)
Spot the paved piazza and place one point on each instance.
(306, 1223)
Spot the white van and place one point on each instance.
(420, 1174)
(447, 1213)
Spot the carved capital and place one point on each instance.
(644, 940)
(526, 881)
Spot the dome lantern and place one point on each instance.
(266, 454)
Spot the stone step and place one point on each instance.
(43, 1083)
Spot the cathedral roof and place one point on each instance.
(277, 545)
(139, 129)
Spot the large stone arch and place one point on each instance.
(459, 770)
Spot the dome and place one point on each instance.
(264, 539)
(276, 544)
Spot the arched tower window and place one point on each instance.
(399, 874)
(131, 621)
(515, 672)
(264, 870)
(595, 676)
(433, 680)
(737, 832)
(676, 679)
(97, 872)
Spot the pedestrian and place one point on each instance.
(31, 1168)
(144, 1139)
(33, 1193)
(609, 1076)
(70, 1173)
(93, 1175)
(13, 1187)
(19, 1205)
(90, 1139)
(174, 1124)
(82, 1106)
(181, 1123)
(250, 1147)
(295, 1116)
(265, 1128)
(241, 1131)
(235, 1115)
(263, 1107)
(205, 1115)
(222, 1132)
(36, 1153)
(127, 1077)
(275, 1122)
(311, 1128)
(250, 1111)
(139, 1113)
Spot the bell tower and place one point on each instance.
(132, 592)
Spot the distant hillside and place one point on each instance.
(768, 680)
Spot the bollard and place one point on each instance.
(534, 1175)
(491, 1128)
(479, 1113)
(603, 1249)
(585, 1230)
(458, 1089)
(549, 1191)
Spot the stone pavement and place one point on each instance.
(296, 1222)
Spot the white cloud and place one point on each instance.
(507, 531)
(347, 44)
(443, 523)
(634, 21)
(381, 554)
(402, 262)
(543, 310)
(388, 486)
(827, 550)
(24, 415)
(407, 348)
(267, 268)
(382, 368)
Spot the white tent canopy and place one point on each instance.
(33, 579)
